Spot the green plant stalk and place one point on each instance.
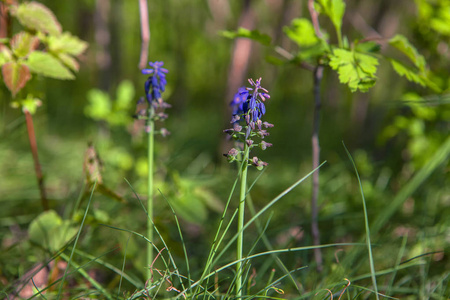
(151, 142)
(241, 214)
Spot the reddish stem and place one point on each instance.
(34, 152)
(145, 33)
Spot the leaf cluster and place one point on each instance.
(357, 62)
(41, 48)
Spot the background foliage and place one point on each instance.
(394, 131)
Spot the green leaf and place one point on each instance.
(255, 35)
(402, 44)
(125, 95)
(47, 65)
(24, 43)
(69, 61)
(335, 10)
(37, 16)
(370, 46)
(408, 73)
(413, 75)
(99, 106)
(5, 55)
(66, 43)
(301, 32)
(354, 68)
(50, 231)
(15, 76)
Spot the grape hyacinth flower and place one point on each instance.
(248, 109)
(154, 86)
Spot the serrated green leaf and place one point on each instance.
(413, 75)
(5, 55)
(66, 43)
(69, 61)
(125, 95)
(402, 44)
(335, 10)
(355, 69)
(408, 73)
(15, 76)
(301, 31)
(37, 16)
(24, 43)
(45, 64)
(250, 34)
(50, 231)
(99, 106)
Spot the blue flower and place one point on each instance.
(156, 82)
(240, 98)
(250, 101)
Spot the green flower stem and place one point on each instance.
(240, 240)
(151, 137)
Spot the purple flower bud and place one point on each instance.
(249, 142)
(265, 145)
(267, 125)
(237, 127)
(164, 132)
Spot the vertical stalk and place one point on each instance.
(145, 33)
(241, 214)
(151, 136)
(34, 152)
(318, 72)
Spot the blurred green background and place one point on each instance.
(393, 131)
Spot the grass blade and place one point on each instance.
(366, 224)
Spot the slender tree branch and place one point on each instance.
(314, 18)
(145, 33)
(318, 73)
(34, 151)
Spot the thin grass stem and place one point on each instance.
(366, 224)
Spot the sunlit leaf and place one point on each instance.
(335, 10)
(37, 16)
(66, 43)
(402, 44)
(408, 73)
(24, 43)
(47, 65)
(99, 105)
(15, 76)
(355, 69)
(413, 75)
(5, 55)
(250, 34)
(301, 31)
(69, 61)
(125, 95)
